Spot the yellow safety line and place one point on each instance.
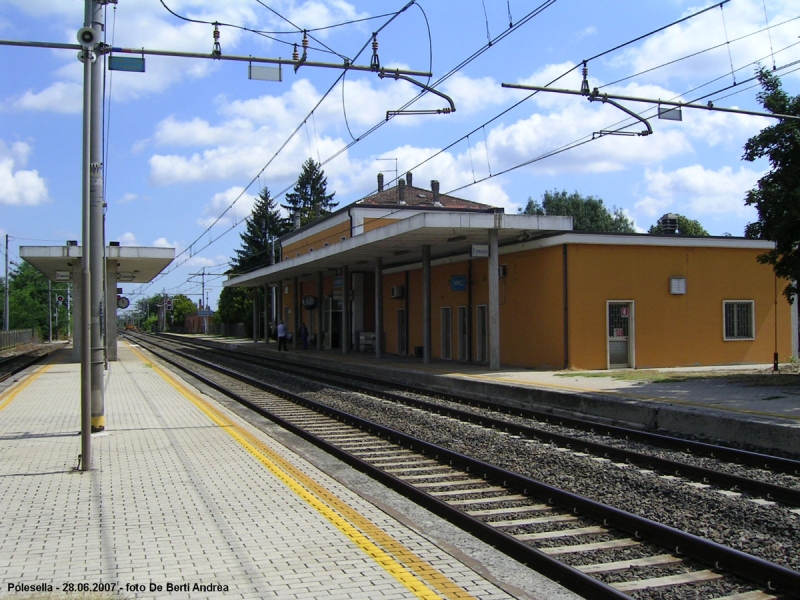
(385, 550)
(14, 391)
(637, 397)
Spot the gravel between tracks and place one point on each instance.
(771, 532)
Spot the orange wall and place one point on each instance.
(370, 224)
(332, 235)
(532, 309)
(390, 308)
(673, 330)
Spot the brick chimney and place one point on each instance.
(435, 190)
(380, 182)
(409, 179)
(401, 191)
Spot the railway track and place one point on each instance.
(597, 550)
(11, 365)
(684, 459)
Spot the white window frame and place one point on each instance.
(752, 336)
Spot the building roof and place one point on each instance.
(133, 264)
(414, 197)
(448, 234)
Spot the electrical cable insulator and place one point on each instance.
(585, 82)
(295, 54)
(217, 49)
(375, 64)
(305, 42)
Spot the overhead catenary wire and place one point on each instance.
(586, 139)
(727, 43)
(578, 65)
(267, 35)
(559, 150)
(192, 248)
(699, 52)
(530, 15)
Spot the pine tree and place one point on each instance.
(309, 198)
(259, 238)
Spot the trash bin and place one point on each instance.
(418, 351)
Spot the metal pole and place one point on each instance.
(96, 21)
(86, 306)
(494, 301)
(5, 308)
(50, 308)
(599, 96)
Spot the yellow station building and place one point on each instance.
(439, 277)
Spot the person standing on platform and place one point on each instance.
(304, 335)
(281, 336)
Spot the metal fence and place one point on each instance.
(16, 337)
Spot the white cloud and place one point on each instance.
(19, 186)
(235, 203)
(472, 95)
(198, 262)
(61, 97)
(127, 198)
(716, 27)
(698, 191)
(198, 132)
(127, 239)
(163, 242)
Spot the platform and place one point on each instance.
(759, 415)
(187, 499)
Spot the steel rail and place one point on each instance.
(27, 359)
(743, 457)
(774, 577)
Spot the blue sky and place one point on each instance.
(186, 138)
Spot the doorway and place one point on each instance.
(620, 329)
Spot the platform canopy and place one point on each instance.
(134, 264)
(448, 234)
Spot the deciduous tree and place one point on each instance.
(686, 226)
(776, 197)
(588, 213)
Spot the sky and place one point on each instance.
(190, 142)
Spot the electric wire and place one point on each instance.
(486, 17)
(476, 54)
(234, 26)
(430, 70)
(699, 52)
(545, 155)
(535, 12)
(586, 139)
(727, 43)
(303, 31)
(769, 34)
(578, 65)
(191, 247)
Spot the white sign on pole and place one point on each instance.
(480, 251)
(63, 276)
(264, 73)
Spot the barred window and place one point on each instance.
(739, 320)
